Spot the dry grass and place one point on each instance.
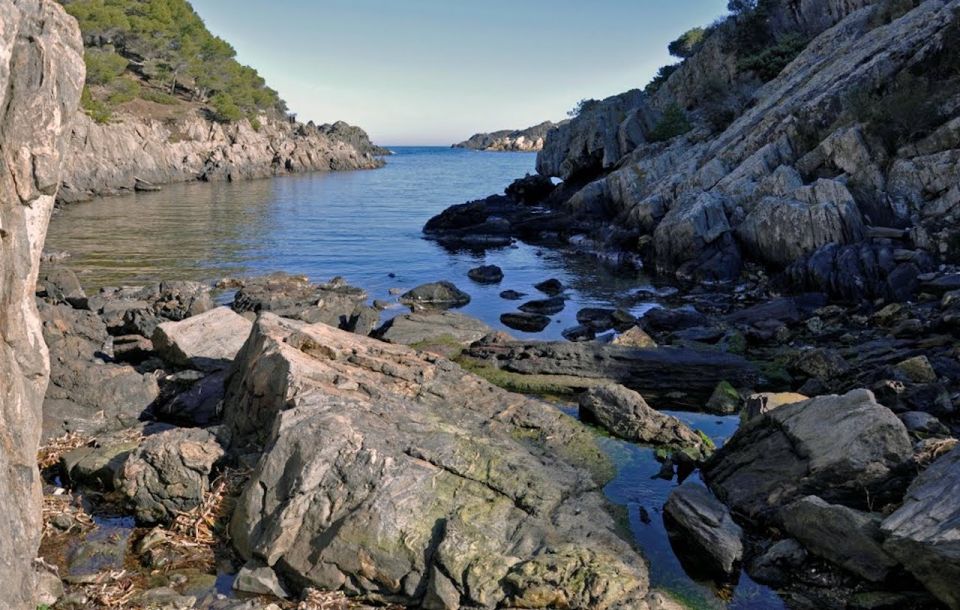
(314, 599)
(199, 525)
(934, 449)
(49, 454)
(113, 589)
(64, 504)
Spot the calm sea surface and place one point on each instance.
(365, 226)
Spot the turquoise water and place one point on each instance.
(362, 225)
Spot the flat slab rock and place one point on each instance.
(839, 448)
(704, 528)
(413, 328)
(207, 341)
(664, 376)
(395, 475)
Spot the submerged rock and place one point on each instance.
(844, 449)
(551, 287)
(396, 475)
(436, 295)
(487, 274)
(545, 307)
(526, 322)
(626, 414)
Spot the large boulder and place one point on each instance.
(41, 75)
(924, 533)
(169, 473)
(626, 414)
(845, 449)
(207, 341)
(432, 328)
(847, 537)
(703, 530)
(394, 474)
(435, 296)
(695, 240)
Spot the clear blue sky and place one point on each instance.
(437, 71)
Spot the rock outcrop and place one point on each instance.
(41, 75)
(105, 159)
(395, 474)
(844, 449)
(703, 528)
(923, 532)
(506, 140)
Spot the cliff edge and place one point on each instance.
(41, 75)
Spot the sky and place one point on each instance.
(434, 72)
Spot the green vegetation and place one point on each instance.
(673, 123)
(165, 45)
(902, 113)
(753, 42)
(770, 61)
(688, 43)
(582, 106)
(661, 77)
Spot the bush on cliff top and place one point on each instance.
(688, 43)
(165, 43)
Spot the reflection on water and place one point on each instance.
(363, 225)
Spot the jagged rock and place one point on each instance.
(530, 189)
(519, 140)
(486, 274)
(139, 309)
(526, 322)
(703, 529)
(433, 328)
(259, 580)
(847, 537)
(923, 423)
(917, 369)
(132, 150)
(435, 296)
(692, 374)
(626, 414)
(778, 563)
(695, 240)
(41, 75)
(60, 285)
(922, 533)
(634, 337)
(291, 296)
(725, 399)
(208, 341)
(373, 447)
(544, 307)
(86, 392)
(132, 349)
(198, 405)
(168, 473)
(780, 231)
(597, 138)
(844, 449)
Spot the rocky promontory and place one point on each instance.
(530, 139)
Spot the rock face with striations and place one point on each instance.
(104, 159)
(41, 75)
(395, 474)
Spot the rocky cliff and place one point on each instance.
(136, 152)
(520, 140)
(819, 139)
(41, 75)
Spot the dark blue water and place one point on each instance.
(362, 225)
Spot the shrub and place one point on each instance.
(673, 123)
(255, 123)
(905, 112)
(103, 66)
(225, 109)
(770, 61)
(688, 43)
(123, 90)
(97, 110)
(719, 104)
(661, 77)
(158, 97)
(582, 106)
